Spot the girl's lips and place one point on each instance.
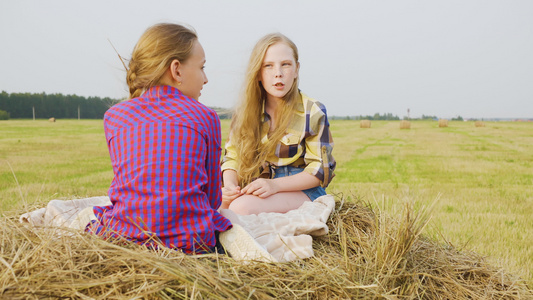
(279, 86)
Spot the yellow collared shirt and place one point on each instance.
(308, 139)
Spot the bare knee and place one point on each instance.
(244, 205)
(241, 208)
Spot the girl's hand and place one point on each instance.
(261, 188)
(230, 193)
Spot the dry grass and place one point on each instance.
(405, 124)
(443, 123)
(366, 255)
(479, 124)
(365, 124)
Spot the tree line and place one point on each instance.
(376, 116)
(389, 117)
(59, 106)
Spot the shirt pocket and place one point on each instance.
(288, 146)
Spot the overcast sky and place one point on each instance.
(443, 58)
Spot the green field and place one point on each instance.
(479, 179)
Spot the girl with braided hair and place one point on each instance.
(165, 149)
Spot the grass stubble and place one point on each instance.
(377, 249)
(365, 255)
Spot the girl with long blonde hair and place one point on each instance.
(279, 151)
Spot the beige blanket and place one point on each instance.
(75, 214)
(286, 236)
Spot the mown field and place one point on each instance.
(479, 179)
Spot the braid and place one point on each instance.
(131, 79)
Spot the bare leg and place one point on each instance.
(280, 203)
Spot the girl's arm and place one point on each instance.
(230, 178)
(318, 155)
(266, 187)
(231, 189)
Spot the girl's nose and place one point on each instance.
(279, 73)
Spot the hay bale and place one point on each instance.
(479, 124)
(443, 123)
(365, 124)
(52, 120)
(365, 255)
(405, 124)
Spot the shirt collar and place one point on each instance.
(299, 107)
(157, 91)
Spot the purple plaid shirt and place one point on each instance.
(165, 150)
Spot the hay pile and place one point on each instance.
(443, 123)
(366, 255)
(365, 124)
(405, 124)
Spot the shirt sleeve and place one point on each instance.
(214, 185)
(319, 146)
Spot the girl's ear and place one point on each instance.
(175, 71)
(297, 70)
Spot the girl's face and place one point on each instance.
(279, 70)
(192, 73)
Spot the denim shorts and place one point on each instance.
(312, 193)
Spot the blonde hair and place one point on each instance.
(246, 126)
(158, 46)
